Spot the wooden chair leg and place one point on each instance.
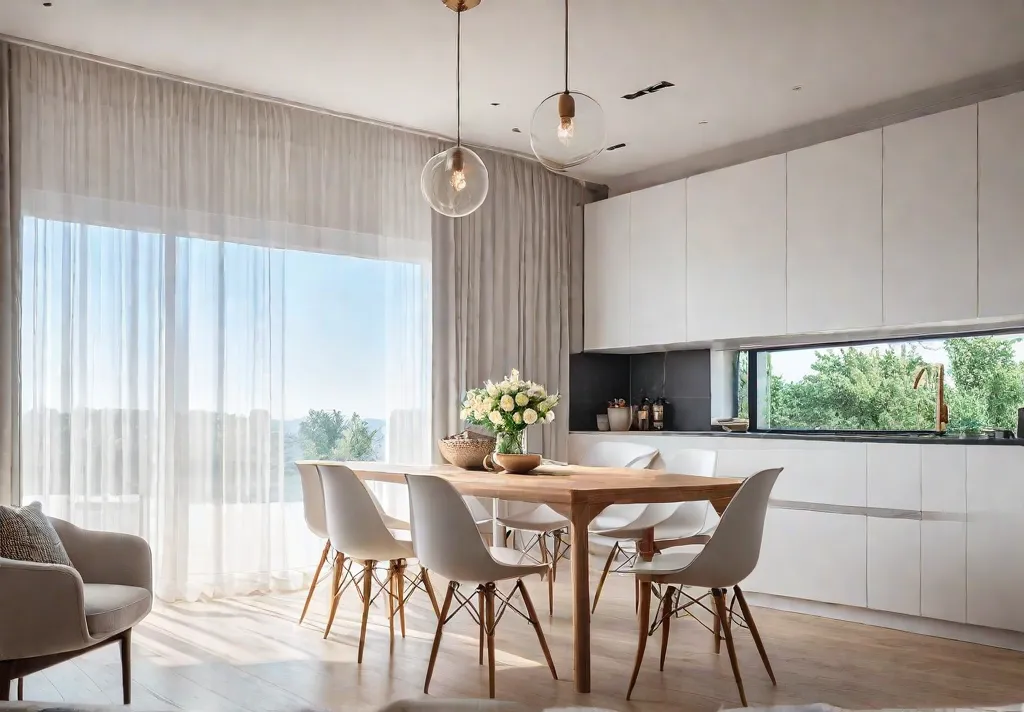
(753, 631)
(545, 559)
(316, 577)
(390, 593)
(126, 667)
(481, 612)
(367, 580)
(643, 623)
(604, 575)
(723, 616)
(400, 581)
(718, 633)
(667, 604)
(437, 634)
(21, 689)
(535, 622)
(489, 604)
(5, 688)
(425, 578)
(556, 539)
(339, 565)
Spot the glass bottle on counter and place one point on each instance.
(658, 414)
(643, 414)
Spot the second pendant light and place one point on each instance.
(454, 182)
(568, 127)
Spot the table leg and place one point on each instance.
(580, 517)
(497, 530)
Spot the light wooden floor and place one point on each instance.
(249, 654)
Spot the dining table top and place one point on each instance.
(562, 484)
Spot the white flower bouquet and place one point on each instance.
(507, 408)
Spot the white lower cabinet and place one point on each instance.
(995, 537)
(943, 570)
(812, 555)
(894, 571)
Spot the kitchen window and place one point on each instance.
(885, 386)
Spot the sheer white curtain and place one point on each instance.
(206, 279)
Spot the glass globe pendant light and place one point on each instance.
(567, 128)
(454, 182)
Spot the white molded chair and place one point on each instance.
(674, 523)
(357, 528)
(316, 519)
(446, 539)
(541, 520)
(729, 556)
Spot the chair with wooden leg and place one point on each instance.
(729, 556)
(50, 613)
(356, 527)
(316, 522)
(444, 535)
(675, 524)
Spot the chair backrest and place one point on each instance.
(617, 454)
(735, 546)
(353, 521)
(444, 533)
(691, 462)
(312, 498)
(686, 514)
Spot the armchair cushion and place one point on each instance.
(111, 608)
(27, 535)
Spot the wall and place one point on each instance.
(923, 537)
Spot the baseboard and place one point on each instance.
(1011, 640)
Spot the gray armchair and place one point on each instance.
(52, 613)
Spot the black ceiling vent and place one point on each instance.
(648, 90)
(616, 147)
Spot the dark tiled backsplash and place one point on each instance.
(683, 378)
(594, 379)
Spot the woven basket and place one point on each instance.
(467, 453)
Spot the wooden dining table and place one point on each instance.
(579, 493)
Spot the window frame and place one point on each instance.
(753, 368)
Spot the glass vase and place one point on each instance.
(510, 443)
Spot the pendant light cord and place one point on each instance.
(458, 74)
(566, 46)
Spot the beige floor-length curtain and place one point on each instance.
(501, 292)
(10, 287)
(207, 280)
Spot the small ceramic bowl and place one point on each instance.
(517, 464)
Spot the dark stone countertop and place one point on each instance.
(824, 437)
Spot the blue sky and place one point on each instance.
(333, 308)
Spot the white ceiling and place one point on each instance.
(734, 62)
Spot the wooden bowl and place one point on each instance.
(467, 453)
(517, 464)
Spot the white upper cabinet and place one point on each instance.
(1001, 206)
(657, 265)
(834, 242)
(736, 251)
(606, 289)
(930, 218)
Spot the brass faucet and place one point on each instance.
(941, 410)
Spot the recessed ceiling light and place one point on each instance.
(495, 103)
(702, 122)
(516, 130)
(797, 87)
(47, 4)
(616, 147)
